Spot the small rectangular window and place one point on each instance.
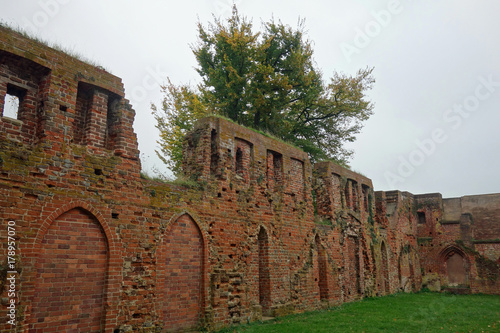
(11, 106)
(278, 167)
(365, 189)
(274, 169)
(421, 217)
(239, 161)
(347, 195)
(13, 101)
(355, 196)
(214, 154)
(243, 159)
(351, 195)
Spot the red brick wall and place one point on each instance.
(183, 275)
(384, 270)
(264, 276)
(243, 156)
(322, 278)
(467, 227)
(352, 265)
(274, 170)
(406, 269)
(182, 256)
(296, 175)
(32, 83)
(71, 276)
(82, 108)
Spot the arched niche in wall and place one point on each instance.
(182, 270)
(71, 275)
(454, 266)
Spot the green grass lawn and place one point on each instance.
(421, 312)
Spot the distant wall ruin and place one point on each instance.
(260, 232)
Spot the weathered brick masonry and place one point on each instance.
(261, 232)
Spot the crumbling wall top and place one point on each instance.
(59, 62)
(327, 168)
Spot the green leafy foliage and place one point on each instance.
(268, 81)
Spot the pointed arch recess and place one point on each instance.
(183, 227)
(44, 227)
(454, 265)
(449, 250)
(110, 282)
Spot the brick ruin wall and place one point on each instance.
(259, 231)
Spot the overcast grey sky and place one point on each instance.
(436, 120)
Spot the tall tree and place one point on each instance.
(268, 81)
